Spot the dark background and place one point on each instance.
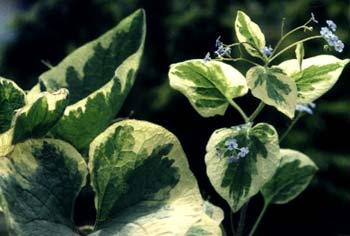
(179, 30)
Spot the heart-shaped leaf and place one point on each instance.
(318, 75)
(209, 86)
(37, 118)
(39, 182)
(235, 175)
(12, 97)
(249, 33)
(143, 184)
(293, 175)
(99, 75)
(274, 88)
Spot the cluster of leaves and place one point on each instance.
(58, 137)
(211, 85)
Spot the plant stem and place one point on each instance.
(291, 126)
(242, 218)
(239, 109)
(237, 59)
(233, 231)
(259, 219)
(257, 111)
(292, 45)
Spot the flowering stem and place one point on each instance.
(237, 59)
(292, 45)
(239, 109)
(291, 126)
(259, 219)
(257, 111)
(242, 218)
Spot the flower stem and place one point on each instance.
(237, 59)
(239, 109)
(259, 219)
(292, 45)
(257, 111)
(290, 126)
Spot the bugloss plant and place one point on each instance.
(61, 136)
(246, 159)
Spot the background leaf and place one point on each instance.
(250, 32)
(143, 185)
(99, 75)
(237, 182)
(209, 86)
(274, 88)
(318, 75)
(12, 97)
(293, 175)
(39, 182)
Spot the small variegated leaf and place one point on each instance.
(12, 98)
(274, 88)
(299, 54)
(144, 186)
(249, 33)
(37, 118)
(318, 75)
(293, 175)
(237, 181)
(99, 75)
(209, 86)
(39, 181)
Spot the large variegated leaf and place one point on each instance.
(39, 182)
(144, 186)
(99, 75)
(12, 97)
(237, 181)
(274, 88)
(293, 175)
(318, 75)
(249, 33)
(209, 86)
(37, 118)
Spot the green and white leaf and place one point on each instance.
(39, 182)
(12, 98)
(37, 118)
(144, 186)
(293, 175)
(99, 75)
(318, 75)
(274, 88)
(237, 182)
(209, 86)
(250, 34)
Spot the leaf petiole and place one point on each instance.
(256, 224)
(239, 109)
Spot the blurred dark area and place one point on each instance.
(45, 31)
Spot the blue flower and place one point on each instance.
(207, 57)
(221, 49)
(231, 144)
(331, 38)
(233, 159)
(313, 18)
(218, 42)
(266, 51)
(243, 152)
(331, 25)
(306, 108)
(339, 46)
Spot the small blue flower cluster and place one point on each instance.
(232, 145)
(308, 108)
(267, 50)
(221, 50)
(328, 33)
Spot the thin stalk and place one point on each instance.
(259, 219)
(292, 45)
(237, 59)
(242, 218)
(239, 109)
(257, 111)
(291, 126)
(233, 231)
